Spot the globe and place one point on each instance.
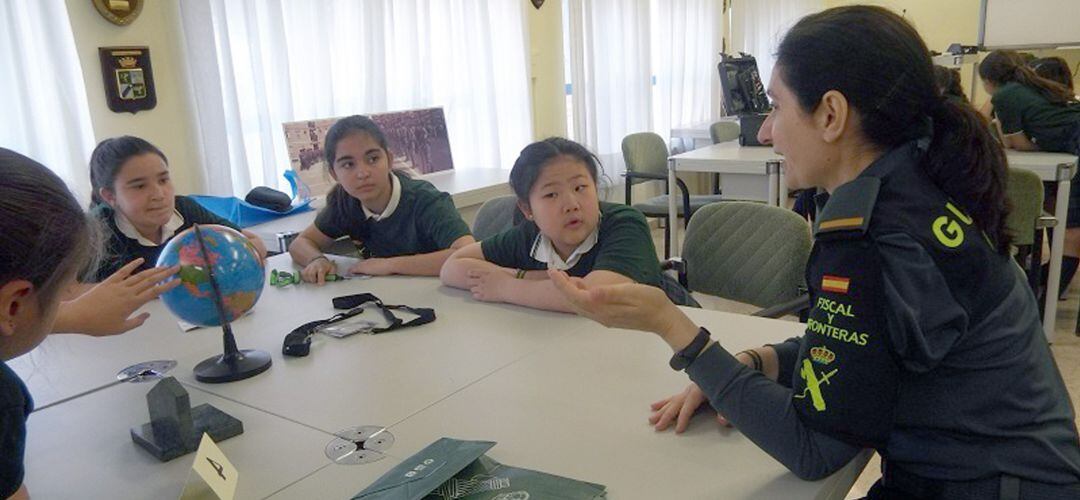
(237, 268)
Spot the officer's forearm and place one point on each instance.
(761, 409)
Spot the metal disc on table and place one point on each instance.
(359, 445)
(146, 371)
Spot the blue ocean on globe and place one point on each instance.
(237, 268)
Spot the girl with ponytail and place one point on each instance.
(1037, 114)
(923, 339)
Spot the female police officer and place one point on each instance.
(923, 340)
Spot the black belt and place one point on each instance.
(898, 483)
(298, 342)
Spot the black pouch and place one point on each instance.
(272, 199)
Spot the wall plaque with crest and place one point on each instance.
(129, 80)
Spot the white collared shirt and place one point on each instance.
(395, 197)
(544, 251)
(167, 231)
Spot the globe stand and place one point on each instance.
(234, 364)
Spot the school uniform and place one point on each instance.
(621, 243)
(126, 244)
(1052, 127)
(923, 342)
(419, 219)
(15, 407)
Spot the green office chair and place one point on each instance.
(495, 216)
(646, 158)
(1026, 222)
(748, 252)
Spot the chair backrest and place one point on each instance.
(1025, 193)
(495, 216)
(748, 252)
(645, 152)
(724, 132)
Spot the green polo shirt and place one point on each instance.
(624, 246)
(1020, 108)
(424, 221)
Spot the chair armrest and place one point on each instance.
(1045, 221)
(645, 175)
(679, 266)
(798, 304)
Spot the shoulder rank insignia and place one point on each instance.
(849, 208)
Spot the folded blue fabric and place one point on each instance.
(244, 214)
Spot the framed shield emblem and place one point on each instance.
(119, 12)
(128, 77)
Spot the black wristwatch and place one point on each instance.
(688, 354)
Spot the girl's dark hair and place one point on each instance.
(1054, 69)
(535, 156)
(948, 81)
(340, 130)
(879, 63)
(45, 237)
(109, 156)
(1003, 66)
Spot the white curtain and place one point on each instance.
(641, 65)
(46, 114)
(258, 63)
(610, 74)
(688, 36)
(758, 26)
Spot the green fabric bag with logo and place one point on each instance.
(458, 470)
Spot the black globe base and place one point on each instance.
(233, 366)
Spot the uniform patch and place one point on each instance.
(822, 354)
(814, 381)
(846, 223)
(835, 284)
(947, 230)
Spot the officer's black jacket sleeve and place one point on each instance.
(923, 318)
(787, 354)
(761, 409)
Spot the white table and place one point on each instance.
(559, 393)
(747, 173)
(757, 163)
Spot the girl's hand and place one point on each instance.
(488, 285)
(106, 308)
(316, 270)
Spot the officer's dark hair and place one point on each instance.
(1003, 66)
(349, 125)
(537, 155)
(879, 63)
(948, 81)
(109, 156)
(45, 237)
(1054, 69)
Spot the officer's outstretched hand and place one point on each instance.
(627, 305)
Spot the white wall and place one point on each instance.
(169, 125)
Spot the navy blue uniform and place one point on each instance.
(923, 343)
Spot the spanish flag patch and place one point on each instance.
(835, 284)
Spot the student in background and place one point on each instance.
(1037, 114)
(1054, 69)
(133, 197)
(567, 228)
(39, 259)
(923, 339)
(948, 81)
(404, 225)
